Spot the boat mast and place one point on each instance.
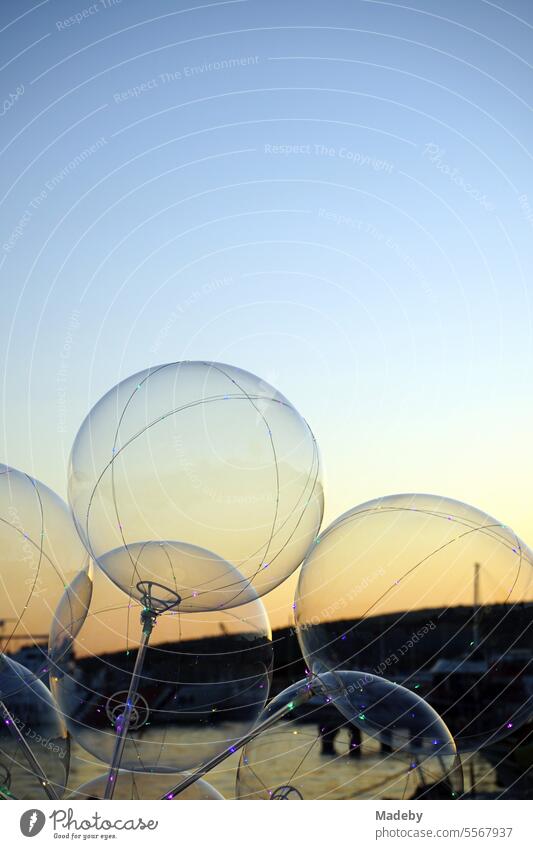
(475, 618)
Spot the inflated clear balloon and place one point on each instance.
(144, 785)
(286, 762)
(70, 615)
(434, 594)
(175, 574)
(204, 680)
(201, 453)
(315, 753)
(34, 745)
(398, 717)
(40, 552)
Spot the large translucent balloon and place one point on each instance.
(40, 552)
(30, 721)
(70, 615)
(204, 681)
(143, 785)
(315, 753)
(205, 454)
(175, 573)
(434, 594)
(398, 717)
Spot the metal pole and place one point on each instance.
(298, 700)
(36, 768)
(148, 618)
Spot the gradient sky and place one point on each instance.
(336, 196)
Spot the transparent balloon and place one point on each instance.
(34, 745)
(395, 715)
(432, 593)
(175, 574)
(315, 753)
(70, 615)
(40, 552)
(204, 680)
(143, 785)
(205, 454)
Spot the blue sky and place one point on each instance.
(337, 197)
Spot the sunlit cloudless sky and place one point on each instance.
(335, 196)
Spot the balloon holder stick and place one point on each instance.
(152, 608)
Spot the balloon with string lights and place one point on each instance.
(433, 593)
(403, 721)
(144, 785)
(40, 552)
(70, 615)
(315, 752)
(203, 453)
(200, 579)
(34, 745)
(203, 681)
(296, 758)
